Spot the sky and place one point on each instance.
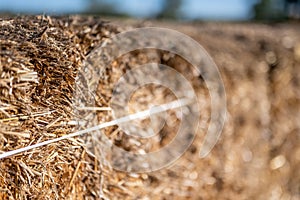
(218, 9)
(42, 6)
(191, 9)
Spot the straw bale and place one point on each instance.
(257, 156)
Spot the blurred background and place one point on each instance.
(217, 10)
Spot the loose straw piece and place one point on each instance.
(94, 108)
(139, 115)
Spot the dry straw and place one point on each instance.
(139, 115)
(39, 60)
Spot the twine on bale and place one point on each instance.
(139, 115)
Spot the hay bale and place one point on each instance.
(256, 157)
(40, 57)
